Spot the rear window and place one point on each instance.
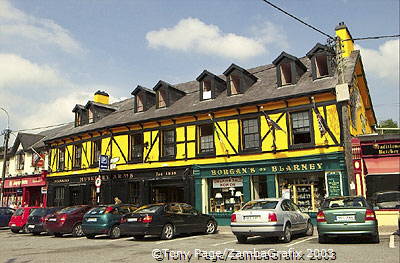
(345, 203)
(257, 205)
(97, 210)
(68, 210)
(148, 209)
(39, 212)
(388, 197)
(19, 212)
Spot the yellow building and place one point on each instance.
(281, 129)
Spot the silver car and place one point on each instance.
(271, 217)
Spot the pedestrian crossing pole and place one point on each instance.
(6, 133)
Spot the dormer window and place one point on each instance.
(90, 116)
(289, 69)
(77, 119)
(162, 98)
(239, 79)
(234, 84)
(139, 103)
(321, 62)
(206, 90)
(210, 85)
(286, 74)
(320, 56)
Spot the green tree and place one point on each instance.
(389, 123)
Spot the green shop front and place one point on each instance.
(221, 189)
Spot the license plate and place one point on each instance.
(52, 219)
(13, 225)
(345, 218)
(251, 217)
(92, 219)
(31, 226)
(132, 220)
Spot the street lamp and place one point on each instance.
(6, 138)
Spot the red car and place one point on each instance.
(20, 218)
(66, 221)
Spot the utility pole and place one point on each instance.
(344, 112)
(6, 133)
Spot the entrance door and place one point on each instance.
(166, 194)
(75, 196)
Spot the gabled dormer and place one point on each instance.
(289, 69)
(321, 61)
(238, 79)
(81, 115)
(144, 99)
(210, 85)
(166, 94)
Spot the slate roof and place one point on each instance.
(264, 90)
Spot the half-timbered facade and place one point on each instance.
(275, 130)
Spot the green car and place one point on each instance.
(105, 219)
(346, 216)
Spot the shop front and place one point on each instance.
(25, 190)
(173, 184)
(221, 189)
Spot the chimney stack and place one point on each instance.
(101, 97)
(343, 33)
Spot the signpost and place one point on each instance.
(333, 182)
(97, 183)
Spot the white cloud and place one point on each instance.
(37, 95)
(15, 23)
(193, 35)
(384, 62)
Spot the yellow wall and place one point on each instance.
(347, 46)
(225, 152)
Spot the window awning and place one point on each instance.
(385, 165)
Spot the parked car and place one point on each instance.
(270, 217)
(166, 220)
(346, 215)
(20, 218)
(5, 215)
(386, 200)
(36, 219)
(105, 219)
(66, 221)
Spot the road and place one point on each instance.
(194, 248)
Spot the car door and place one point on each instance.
(192, 220)
(301, 218)
(289, 214)
(173, 214)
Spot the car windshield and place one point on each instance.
(148, 209)
(256, 205)
(345, 203)
(97, 210)
(68, 210)
(388, 197)
(39, 212)
(19, 212)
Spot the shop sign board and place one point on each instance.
(333, 181)
(381, 149)
(228, 182)
(104, 162)
(43, 189)
(23, 182)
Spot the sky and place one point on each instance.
(55, 54)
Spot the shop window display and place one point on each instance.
(226, 194)
(307, 191)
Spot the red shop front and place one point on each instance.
(26, 190)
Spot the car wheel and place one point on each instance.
(15, 231)
(77, 231)
(115, 232)
(375, 239)
(309, 229)
(138, 237)
(241, 239)
(287, 234)
(211, 227)
(90, 236)
(168, 232)
(57, 234)
(322, 239)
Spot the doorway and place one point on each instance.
(165, 194)
(75, 196)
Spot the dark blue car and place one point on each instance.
(5, 215)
